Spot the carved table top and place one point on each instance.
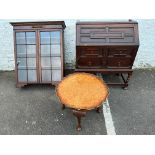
(82, 91)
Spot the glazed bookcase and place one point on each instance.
(38, 50)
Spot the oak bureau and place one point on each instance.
(107, 47)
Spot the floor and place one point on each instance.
(133, 110)
(35, 110)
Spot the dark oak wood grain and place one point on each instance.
(106, 47)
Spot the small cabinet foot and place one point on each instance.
(125, 87)
(20, 85)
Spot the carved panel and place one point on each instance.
(106, 34)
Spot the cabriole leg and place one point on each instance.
(98, 110)
(79, 114)
(63, 107)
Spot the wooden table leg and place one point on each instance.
(63, 107)
(98, 110)
(79, 114)
(126, 80)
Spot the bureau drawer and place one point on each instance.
(120, 52)
(90, 62)
(89, 51)
(119, 62)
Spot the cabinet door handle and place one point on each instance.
(18, 62)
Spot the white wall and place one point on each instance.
(146, 53)
(145, 56)
(6, 47)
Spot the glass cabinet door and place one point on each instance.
(50, 53)
(26, 56)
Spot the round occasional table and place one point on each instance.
(82, 92)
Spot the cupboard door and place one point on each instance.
(26, 56)
(56, 56)
(50, 56)
(45, 53)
